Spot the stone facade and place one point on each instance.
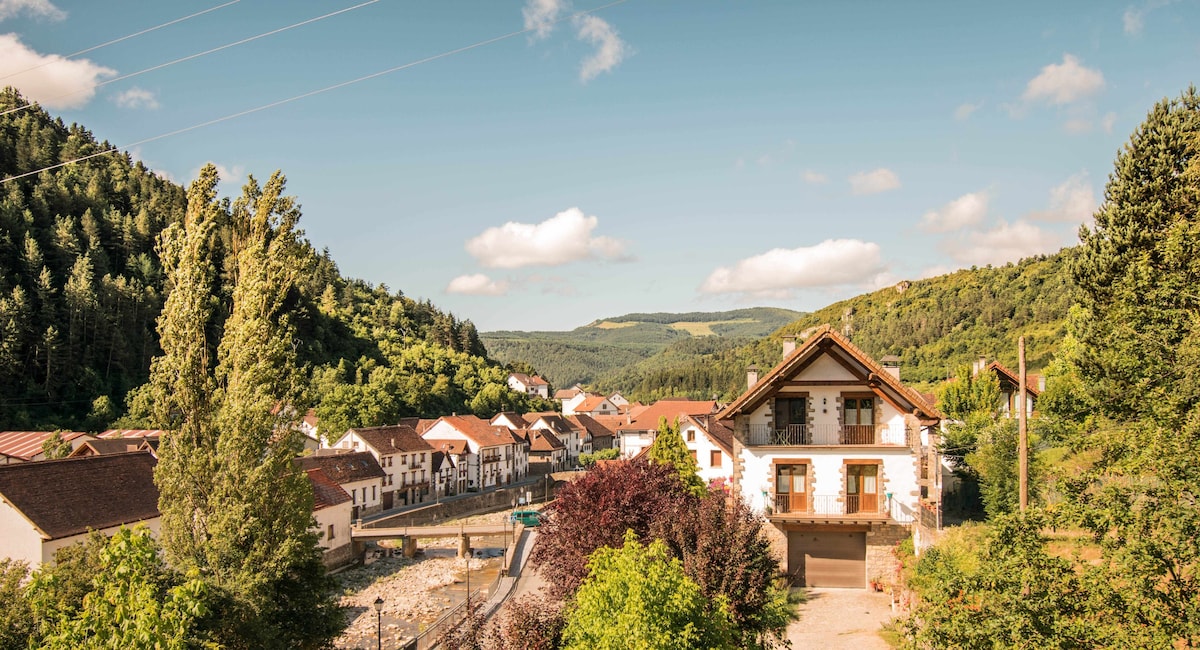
(881, 545)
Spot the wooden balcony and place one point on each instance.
(794, 435)
(832, 508)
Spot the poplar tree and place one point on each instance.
(669, 448)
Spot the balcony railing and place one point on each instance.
(827, 434)
(820, 506)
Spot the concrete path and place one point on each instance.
(841, 619)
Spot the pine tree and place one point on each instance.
(670, 449)
(1138, 270)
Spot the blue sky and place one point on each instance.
(654, 155)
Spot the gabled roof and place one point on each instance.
(326, 492)
(826, 341)
(344, 468)
(66, 497)
(591, 404)
(27, 444)
(1031, 380)
(101, 447)
(543, 440)
(672, 409)
(511, 416)
(592, 425)
(479, 431)
(437, 459)
(556, 421)
(453, 447)
(132, 433)
(716, 430)
(566, 393)
(397, 438)
(529, 380)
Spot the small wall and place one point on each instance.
(340, 556)
(881, 544)
(491, 500)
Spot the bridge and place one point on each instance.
(410, 534)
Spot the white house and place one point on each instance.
(332, 510)
(493, 455)
(638, 431)
(840, 456)
(50, 504)
(405, 458)
(710, 442)
(595, 406)
(618, 400)
(546, 451)
(1010, 388)
(357, 472)
(529, 384)
(571, 436)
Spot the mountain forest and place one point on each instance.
(82, 285)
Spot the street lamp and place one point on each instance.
(379, 622)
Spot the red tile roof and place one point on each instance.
(543, 440)
(392, 439)
(454, 447)
(528, 380)
(593, 426)
(66, 497)
(647, 419)
(716, 430)
(28, 444)
(591, 404)
(1031, 380)
(326, 492)
(480, 431)
(344, 468)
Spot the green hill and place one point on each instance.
(586, 353)
(933, 325)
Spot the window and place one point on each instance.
(372, 494)
(714, 458)
(858, 419)
(329, 534)
(862, 488)
(791, 488)
(791, 420)
(691, 435)
(692, 453)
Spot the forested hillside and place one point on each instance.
(587, 353)
(81, 287)
(934, 325)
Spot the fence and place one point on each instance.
(828, 434)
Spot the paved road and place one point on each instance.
(841, 619)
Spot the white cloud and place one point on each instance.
(814, 178)
(1133, 21)
(1078, 125)
(136, 98)
(967, 210)
(1109, 121)
(964, 110)
(49, 79)
(777, 272)
(477, 284)
(565, 237)
(874, 181)
(540, 15)
(1073, 201)
(610, 49)
(35, 8)
(1064, 83)
(1003, 244)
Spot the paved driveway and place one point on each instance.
(841, 618)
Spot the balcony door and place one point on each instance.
(791, 419)
(862, 489)
(791, 488)
(858, 420)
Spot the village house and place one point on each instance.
(405, 457)
(546, 452)
(27, 445)
(494, 455)
(1010, 387)
(570, 436)
(596, 436)
(710, 442)
(618, 400)
(530, 385)
(840, 456)
(449, 466)
(357, 472)
(637, 431)
(333, 512)
(594, 405)
(50, 504)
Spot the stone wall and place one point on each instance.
(344, 555)
(881, 558)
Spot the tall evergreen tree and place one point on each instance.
(670, 449)
(1137, 272)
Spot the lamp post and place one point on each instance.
(379, 623)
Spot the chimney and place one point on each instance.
(979, 366)
(891, 365)
(789, 345)
(752, 375)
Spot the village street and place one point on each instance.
(841, 619)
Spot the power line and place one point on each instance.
(199, 54)
(123, 38)
(319, 91)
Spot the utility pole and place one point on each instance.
(1022, 429)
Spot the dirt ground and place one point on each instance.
(841, 618)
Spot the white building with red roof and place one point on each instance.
(332, 510)
(494, 451)
(637, 432)
(529, 384)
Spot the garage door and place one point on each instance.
(828, 559)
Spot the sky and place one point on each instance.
(542, 164)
